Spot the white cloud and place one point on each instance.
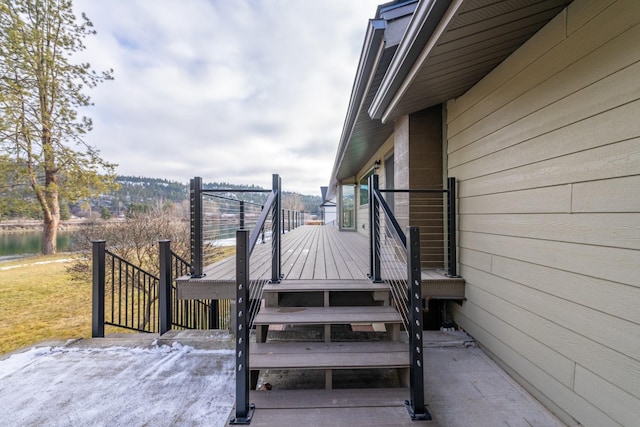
(228, 90)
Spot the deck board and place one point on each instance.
(344, 355)
(309, 252)
(326, 315)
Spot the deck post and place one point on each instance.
(451, 227)
(195, 204)
(244, 410)
(97, 315)
(374, 230)
(164, 294)
(415, 406)
(262, 229)
(214, 313)
(275, 232)
(241, 214)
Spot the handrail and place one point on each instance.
(249, 294)
(262, 219)
(406, 292)
(387, 210)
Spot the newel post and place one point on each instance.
(195, 199)
(97, 315)
(164, 294)
(276, 223)
(374, 230)
(416, 406)
(451, 212)
(244, 410)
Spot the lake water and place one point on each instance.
(15, 245)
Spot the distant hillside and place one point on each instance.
(151, 191)
(141, 193)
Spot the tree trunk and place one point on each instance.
(49, 235)
(51, 214)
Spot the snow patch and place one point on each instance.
(161, 386)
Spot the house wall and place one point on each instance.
(546, 150)
(418, 166)
(330, 214)
(363, 210)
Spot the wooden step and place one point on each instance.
(325, 285)
(328, 289)
(335, 355)
(350, 407)
(330, 356)
(326, 315)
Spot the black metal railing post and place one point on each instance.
(451, 227)
(244, 410)
(275, 232)
(97, 316)
(195, 199)
(166, 282)
(374, 229)
(371, 229)
(262, 230)
(416, 406)
(241, 214)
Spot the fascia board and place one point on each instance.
(374, 39)
(426, 19)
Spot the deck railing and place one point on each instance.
(433, 211)
(126, 296)
(395, 258)
(249, 293)
(216, 214)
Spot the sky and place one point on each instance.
(228, 90)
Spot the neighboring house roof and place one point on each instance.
(326, 203)
(448, 46)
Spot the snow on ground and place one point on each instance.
(32, 263)
(157, 386)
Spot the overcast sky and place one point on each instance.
(229, 90)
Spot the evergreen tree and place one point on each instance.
(41, 91)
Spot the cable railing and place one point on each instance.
(249, 292)
(195, 313)
(434, 212)
(216, 214)
(396, 259)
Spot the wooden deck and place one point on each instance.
(310, 252)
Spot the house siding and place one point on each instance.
(546, 150)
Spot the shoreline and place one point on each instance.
(13, 226)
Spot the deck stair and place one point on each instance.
(330, 304)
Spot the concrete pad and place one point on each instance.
(140, 379)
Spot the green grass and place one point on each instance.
(40, 302)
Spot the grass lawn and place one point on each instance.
(39, 302)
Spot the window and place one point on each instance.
(364, 189)
(347, 207)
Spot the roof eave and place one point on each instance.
(427, 18)
(374, 39)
